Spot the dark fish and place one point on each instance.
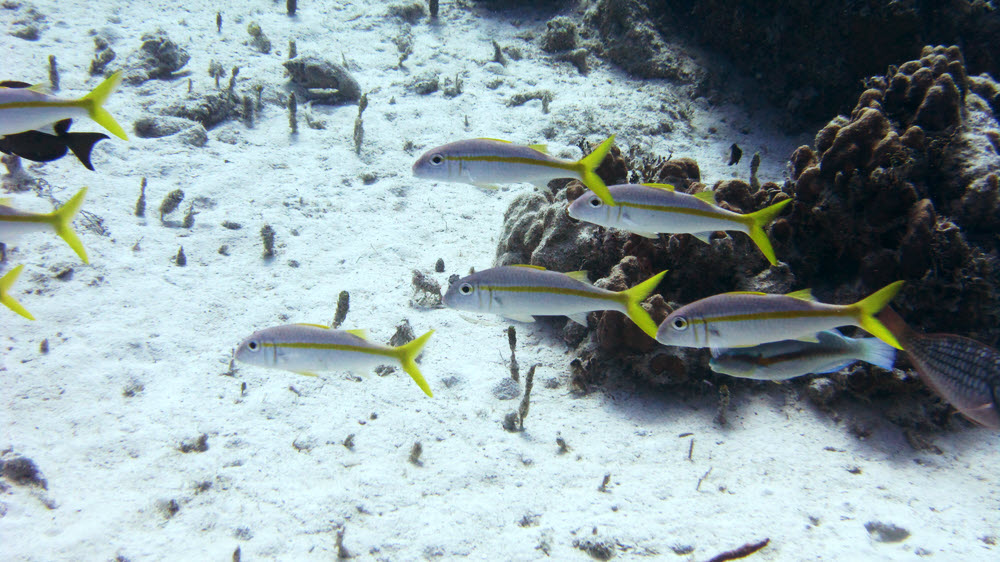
(961, 370)
(44, 147)
(735, 153)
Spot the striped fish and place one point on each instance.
(6, 282)
(788, 359)
(308, 348)
(521, 292)
(488, 162)
(14, 223)
(26, 109)
(961, 370)
(651, 209)
(749, 319)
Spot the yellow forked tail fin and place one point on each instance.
(5, 284)
(756, 223)
(62, 222)
(407, 358)
(589, 163)
(633, 303)
(868, 307)
(94, 102)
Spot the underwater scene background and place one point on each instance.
(268, 178)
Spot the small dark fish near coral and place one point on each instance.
(40, 146)
(961, 370)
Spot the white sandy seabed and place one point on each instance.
(276, 480)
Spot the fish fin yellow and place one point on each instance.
(313, 325)
(5, 201)
(495, 140)
(633, 303)
(589, 177)
(10, 302)
(362, 333)
(705, 237)
(802, 294)
(666, 186)
(94, 104)
(543, 148)
(650, 235)
(62, 221)
(755, 227)
(868, 307)
(579, 276)
(808, 338)
(538, 267)
(40, 88)
(706, 196)
(579, 318)
(407, 358)
(305, 373)
(489, 186)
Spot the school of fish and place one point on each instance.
(750, 335)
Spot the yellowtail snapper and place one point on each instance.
(521, 292)
(792, 358)
(489, 162)
(14, 223)
(6, 282)
(746, 319)
(961, 370)
(651, 209)
(309, 348)
(26, 109)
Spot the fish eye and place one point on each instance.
(595, 202)
(437, 159)
(465, 289)
(253, 346)
(680, 324)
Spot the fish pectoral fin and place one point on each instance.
(836, 368)
(489, 186)
(579, 318)
(705, 237)
(650, 235)
(305, 373)
(520, 317)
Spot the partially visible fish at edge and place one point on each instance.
(961, 370)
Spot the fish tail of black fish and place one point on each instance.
(82, 144)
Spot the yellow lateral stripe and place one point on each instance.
(391, 352)
(679, 210)
(33, 104)
(572, 166)
(776, 315)
(550, 290)
(39, 218)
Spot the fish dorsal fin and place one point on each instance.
(362, 333)
(748, 293)
(313, 325)
(666, 186)
(706, 196)
(803, 294)
(538, 267)
(543, 148)
(578, 275)
(495, 140)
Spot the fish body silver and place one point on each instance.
(14, 223)
(648, 210)
(792, 358)
(749, 319)
(489, 162)
(43, 110)
(519, 293)
(305, 348)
